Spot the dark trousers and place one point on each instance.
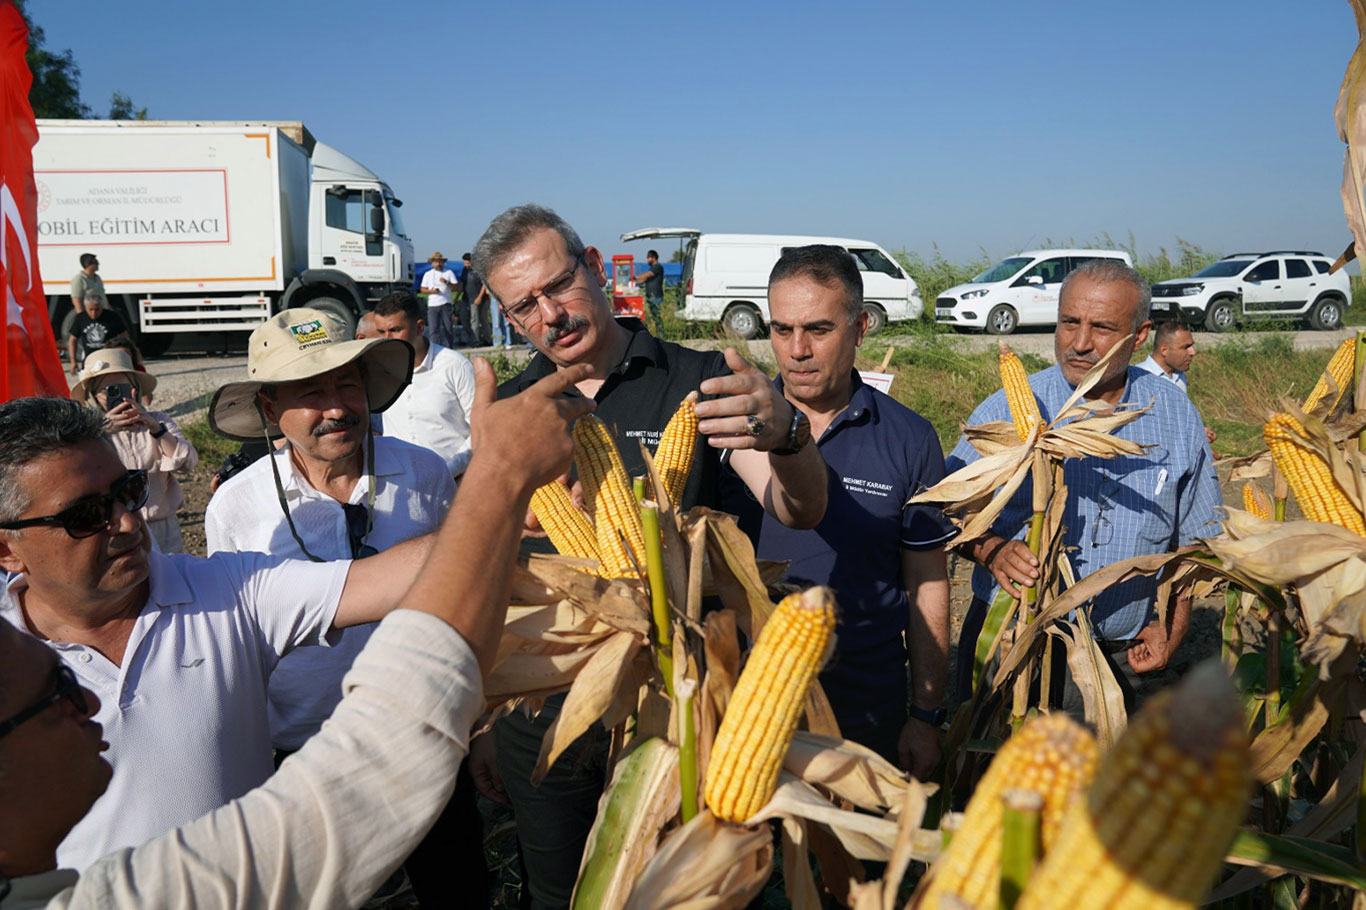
(439, 328)
(447, 868)
(553, 819)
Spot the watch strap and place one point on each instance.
(160, 431)
(796, 439)
(934, 718)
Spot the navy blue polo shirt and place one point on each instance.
(878, 454)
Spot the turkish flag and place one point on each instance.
(29, 364)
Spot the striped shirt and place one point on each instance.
(1130, 505)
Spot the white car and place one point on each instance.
(725, 277)
(1282, 284)
(1019, 290)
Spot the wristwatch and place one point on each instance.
(160, 431)
(798, 434)
(934, 718)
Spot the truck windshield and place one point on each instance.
(1002, 270)
(395, 220)
(1224, 268)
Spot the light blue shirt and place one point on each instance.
(1130, 505)
(1175, 377)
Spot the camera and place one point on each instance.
(233, 464)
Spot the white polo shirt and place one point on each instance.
(439, 294)
(413, 491)
(185, 715)
(433, 411)
(1175, 378)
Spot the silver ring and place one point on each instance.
(753, 425)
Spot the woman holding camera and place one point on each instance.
(149, 440)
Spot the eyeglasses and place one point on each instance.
(556, 289)
(91, 515)
(68, 687)
(357, 529)
(1104, 530)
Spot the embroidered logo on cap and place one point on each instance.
(309, 334)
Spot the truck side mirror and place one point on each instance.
(377, 220)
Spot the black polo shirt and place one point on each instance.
(637, 399)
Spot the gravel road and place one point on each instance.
(187, 378)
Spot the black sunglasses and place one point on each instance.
(357, 529)
(68, 687)
(91, 515)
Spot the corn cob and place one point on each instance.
(1340, 368)
(1024, 408)
(563, 522)
(673, 458)
(762, 716)
(1166, 801)
(1051, 755)
(607, 491)
(1319, 496)
(1254, 501)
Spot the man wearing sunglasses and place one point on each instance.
(177, 648)
(339, 815)
(342, 493)
(551, 287)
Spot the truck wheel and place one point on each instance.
(154, 344)
(744, 320)
(877, 318)
(67, 320)
(1002, 320)
(336, 308)
(1326, 314)
(1220, 317)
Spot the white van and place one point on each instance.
(1019, 290)
(725, 277)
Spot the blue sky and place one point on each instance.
(975, 126)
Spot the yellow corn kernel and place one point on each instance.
(611, 505)
(1024, 408)
(1166, 801)
(673, 458)
(1255, 501)
(1340, 368)
(563, 522)
(1319, 496)
(1051, 755)
(762, 716)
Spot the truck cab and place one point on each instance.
(355, 225)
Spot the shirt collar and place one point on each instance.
(387, 464)
(428, 360)
(1066, 388)
(642, 346)
(862, 403)
(166, 586)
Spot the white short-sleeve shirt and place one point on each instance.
(433, 411)
(1175, 378)
(438, 284)
(413, 491)
(185, 714)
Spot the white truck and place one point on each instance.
(212, 226)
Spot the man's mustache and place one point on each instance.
(557, 330)
(333, 426)
(1090, 359)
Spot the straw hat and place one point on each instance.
(106, 362)
(300, 344)
(436, 257)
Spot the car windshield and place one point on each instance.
(1003, 269)
(1224, 268)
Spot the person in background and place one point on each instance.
(474, 305)
(365, 326)
(124, 343)
(652, 279)
(86, 281)
(1172, 356)
(437, 282)
(433, 411)
(327, 828)
(884, 559)
(145, 440)
(94, 327)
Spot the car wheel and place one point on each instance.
(1220, 317)
(744, 320)
(877, 318)
(1326, 314)
(336, 308)
(1002, 320)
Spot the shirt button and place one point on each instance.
(84, 657)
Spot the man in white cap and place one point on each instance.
(437, 283)
(333, 491)
(147, 440)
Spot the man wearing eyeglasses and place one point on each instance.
(1117, 508)
(341, 493)
(551, 287)
(342, 813)
(177, 648)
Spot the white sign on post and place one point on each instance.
(81, 208)
(880, 381)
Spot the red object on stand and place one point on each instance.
(627, 299)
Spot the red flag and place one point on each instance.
(29, 364)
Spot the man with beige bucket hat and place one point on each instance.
(332, 491)
(145, 440)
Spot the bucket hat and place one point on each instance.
(436, 257)
(106, 362)
(299, 344)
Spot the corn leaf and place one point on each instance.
(1352, 130)
(705, 865)
(798, 881)
(848, 770)
(592, 693)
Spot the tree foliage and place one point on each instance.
(56, 91)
